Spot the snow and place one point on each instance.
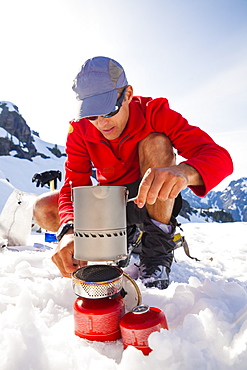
(9, 105)
(205, 304)
(204, 200)
(3, 132)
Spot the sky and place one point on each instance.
(193, 52)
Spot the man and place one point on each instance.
(130, 140)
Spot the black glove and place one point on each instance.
(43, 178)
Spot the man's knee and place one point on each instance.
(45, 211)
(157, 149)
(156, 140)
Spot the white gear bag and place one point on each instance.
(16, 218)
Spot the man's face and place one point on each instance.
(112, 127)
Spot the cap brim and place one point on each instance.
(98, 105)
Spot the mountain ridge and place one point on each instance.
(232, 200)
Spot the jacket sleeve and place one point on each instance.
(211, 160)
(78, 169)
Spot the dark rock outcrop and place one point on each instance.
(18, 134)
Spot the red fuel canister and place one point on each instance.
(98, 319)
(136, 326)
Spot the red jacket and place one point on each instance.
(87, 147)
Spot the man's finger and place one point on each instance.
(59, 263)
(63, 256)
(68, 261)
(79, 263)
(177, 188)
(144, 188)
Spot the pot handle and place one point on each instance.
(131, 199)
(126, 197)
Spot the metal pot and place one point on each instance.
(100, 222)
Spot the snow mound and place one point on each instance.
(205, 306)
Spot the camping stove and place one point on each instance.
(104, 293)
(99, 307)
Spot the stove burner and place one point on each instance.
(98, 273)
(97, 281)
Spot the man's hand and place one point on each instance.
(63, 256)
(166, 183)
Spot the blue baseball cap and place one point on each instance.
(97, 84)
